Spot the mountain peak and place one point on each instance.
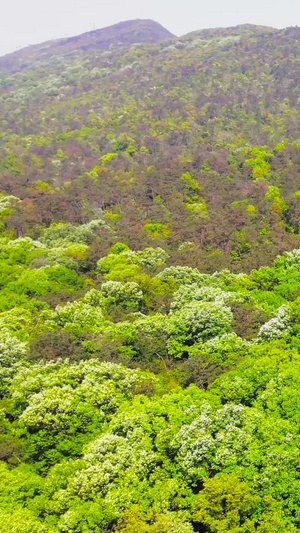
(115, 36)
(120, 34)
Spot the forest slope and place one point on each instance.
(143, 386)
(191, 140)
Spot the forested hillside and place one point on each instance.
(194, 139)
(150, 283)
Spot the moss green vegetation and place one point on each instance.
(150, 287)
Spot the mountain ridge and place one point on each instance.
(135, 31)
(117, 35)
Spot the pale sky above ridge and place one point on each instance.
(25, 22)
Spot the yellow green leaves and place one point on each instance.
(190, 182)
(118, 266)
(107, 157)
(43, 186)
(194, 202)
(133, 520)
(200, 208)
(122, 263)
(156, 230)
(280, 147)
(279, 204)
(112, 216)
(94, 172)
(228, 504)
(273, 192)
(118, 248)
(261, 167)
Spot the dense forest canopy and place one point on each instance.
(150, 283)
(191, 139)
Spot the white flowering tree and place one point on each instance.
(184, 275)
(77, 316)
(231, 439)
(191, 293)
(278, 327)
(8, 205)
(127, 466)
(126, 295)
(61, 406)
(61, 235)
(197, 322)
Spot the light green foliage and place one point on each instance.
(16, 328)
(261, 168)
(18, 487)
(20, 251)
(229, 281)
(110, 458)
(282, 278)
(133, 520)
(268, 379)
(226, 504)
(118, 266)
(115, 466)
(107, 157)
(198, 207)
(186, 247)
(126, 263)
(18, 322)
(95, 446)
(190, 182)
(40, 281)
(118, 248)
(151, 258)
(26, 272)
(22, 521)
(251, 209)
(228, 441)
(194, 202)
(223, 350)
(273, 192)
(288, 259)
(143, 339)
(93, 298)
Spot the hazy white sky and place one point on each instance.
(25, 22)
